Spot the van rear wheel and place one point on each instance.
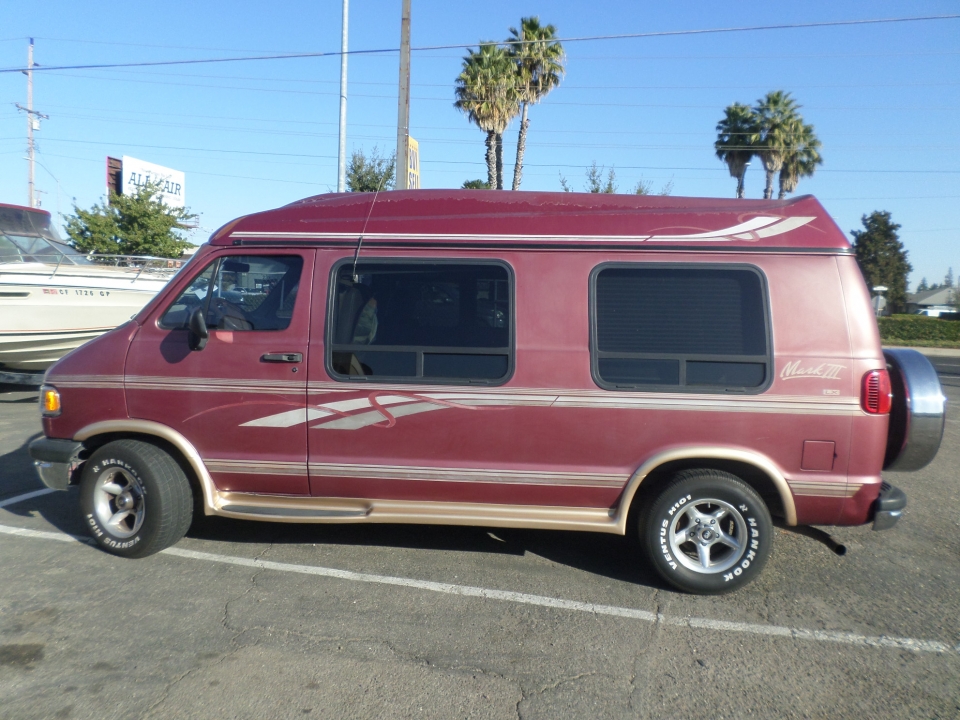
(135, 498)
(707, 532)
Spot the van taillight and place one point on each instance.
(876, 396)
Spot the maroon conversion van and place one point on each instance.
(682, 368)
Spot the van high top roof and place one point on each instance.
(541, 220)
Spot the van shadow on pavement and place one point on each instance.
(612, 556)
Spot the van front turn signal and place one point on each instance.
(49, 401)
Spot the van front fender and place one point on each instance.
(155, 429)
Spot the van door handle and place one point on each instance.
(282, 357)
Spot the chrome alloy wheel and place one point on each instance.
(118, 503)
(708, 536)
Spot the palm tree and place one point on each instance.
(801, 157)
(737, 135)
(775, 113)
(539, 66)
(486, 91)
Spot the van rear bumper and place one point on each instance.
(55, 461)
(888, 507)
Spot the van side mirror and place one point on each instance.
(198, 330)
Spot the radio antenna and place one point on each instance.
(356, 255)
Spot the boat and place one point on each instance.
(54, 298)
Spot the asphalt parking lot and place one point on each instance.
(260, 620)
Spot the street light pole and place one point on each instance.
(342, 154)
(403, 110)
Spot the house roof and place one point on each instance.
(473, 218)
(937, 296)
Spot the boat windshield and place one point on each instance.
(26, 248)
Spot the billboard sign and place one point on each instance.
(137, 173)
(413, 164)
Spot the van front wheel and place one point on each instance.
(135, 498)
(707, 532)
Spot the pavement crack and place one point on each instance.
(565, 680)
(168, 689)
(225, 623)
(225, 617)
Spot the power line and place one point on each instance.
(137, 44)
(591, 38)
(329, 187)
(548, 101)
(717, 167)
(459, 141)
(764, 56)
(566, 86)
(110, 112)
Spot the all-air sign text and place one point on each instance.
(137, 173)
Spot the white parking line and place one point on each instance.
(27, 496)
(844, 638)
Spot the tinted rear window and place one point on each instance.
(680, 326)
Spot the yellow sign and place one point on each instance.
(413, 164)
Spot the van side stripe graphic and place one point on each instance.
(824, 489)
(525, 477)
(382, 406)
(804, 488)
(750, 230)
(411, 472)
(248, 467)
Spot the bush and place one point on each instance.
(919, 330)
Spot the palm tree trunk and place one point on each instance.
(521, 148)
(740, 183)
(491, 159)
(783, 193)
(499, 142)
(768, 190)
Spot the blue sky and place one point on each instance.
(884, 100)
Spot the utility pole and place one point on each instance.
(33, 123)
(403, 111)
(342, 157)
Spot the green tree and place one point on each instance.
(882, 257)
(923, 285)
(596, 182)
(538, 59)
(737, 135)
(776, 116)
(801, 156)
(475, 185)
(486, 92)
(948, 278)
(140, 224)
(370, 174)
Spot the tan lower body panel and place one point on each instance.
(287, 508)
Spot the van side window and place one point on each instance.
(240, 292)
(441, 322)
(697, 328)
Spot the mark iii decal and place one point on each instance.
(824, 371)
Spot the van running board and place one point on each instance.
(276, 512)
(307, 509)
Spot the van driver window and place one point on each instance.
(442, 322)
(240, 292)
